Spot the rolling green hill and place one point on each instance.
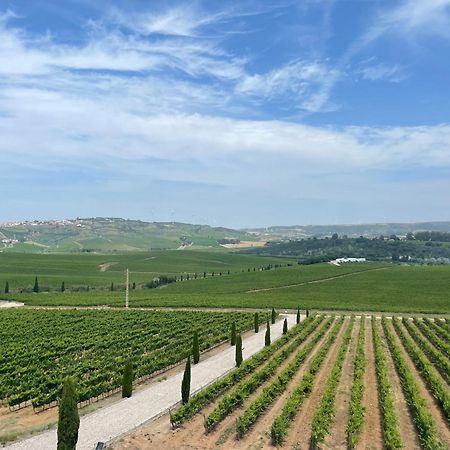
(111, 235)
(100, 270)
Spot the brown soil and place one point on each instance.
(371, 437)
(299, 435)
(246, 244)
(337, 439)
(406, 424)
(192, 435)
(259, 436)
(105, 266)
(432, 405)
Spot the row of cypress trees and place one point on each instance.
(68, 416)
(35, 286)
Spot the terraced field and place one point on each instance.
(333, 382)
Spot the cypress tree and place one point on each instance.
(186, 383)
(274, 315)
(63, 287)
(204, 274)
(285, 327)
(195, 348)
(233, 334)
(256, 322)
(127, 380)
(133, 286)
(267, 335)
(68, 418)
(7, 288)
(298, 315)
(238, 357)
(307, 313)
(36, 285)
(112, 287)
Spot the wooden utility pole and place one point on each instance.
(127, 289)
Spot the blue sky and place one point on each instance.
(240, 114)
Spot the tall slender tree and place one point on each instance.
(233, 334)
(256, 322)
(127, 380)
(267, 335)
(186, 383)
(195, 348)
(238, 357)
(63, 287)
(285, 327)
(7, 288)
(112, 287)
(298, 314)
(36, 285)
(274, 315)
(68, 418)
(307, 313)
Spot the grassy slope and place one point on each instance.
(83, 268)
(393, 288)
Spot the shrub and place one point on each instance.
(186, 383)
(267, 335)
(127, 380)
(68, 418)
(195, 348)
(238, 350)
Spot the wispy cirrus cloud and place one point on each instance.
(303, 81)
(159, 98)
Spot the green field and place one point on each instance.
(84, 269)
(39, 348)
(366, 287)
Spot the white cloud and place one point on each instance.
(306, 81)
(425, 16)
(380, 71)
(178, 21)
(51, 111)
(408, 20)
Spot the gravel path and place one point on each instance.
(8, 304)
(113, 421)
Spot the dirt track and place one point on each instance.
(406, 423)
(371, 437)
(337, 439)
(432, 405)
